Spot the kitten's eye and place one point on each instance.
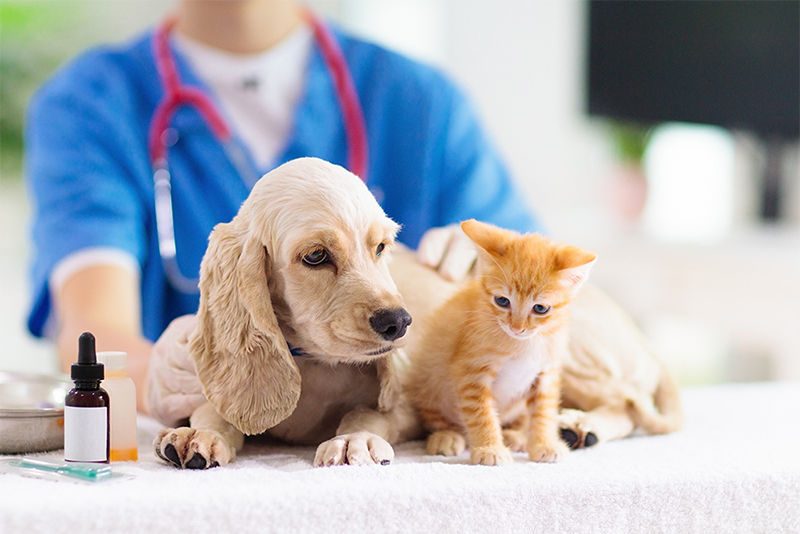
(540, 309)
(316, 257)
(379, 250)
(502, 302)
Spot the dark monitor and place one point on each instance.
(732, 63)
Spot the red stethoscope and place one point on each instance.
(177, 95)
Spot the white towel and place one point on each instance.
(734, 468)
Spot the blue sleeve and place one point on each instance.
(475, 182)
(78, 147)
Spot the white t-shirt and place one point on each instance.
(256, 93)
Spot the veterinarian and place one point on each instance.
(202, 106)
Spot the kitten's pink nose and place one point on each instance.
(517, 331)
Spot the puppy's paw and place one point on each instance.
(190, 448)
(491, 456)
(358, 448)
(446, 443)
(575, 429)
(550, 451)
(515, 440)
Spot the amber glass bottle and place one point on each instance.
(86, 408)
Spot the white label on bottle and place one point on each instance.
(85, 434)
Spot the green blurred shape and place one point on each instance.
(32, 34)
(630, 140)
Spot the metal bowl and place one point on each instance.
(31, 412)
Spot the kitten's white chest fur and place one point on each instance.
(517, 373)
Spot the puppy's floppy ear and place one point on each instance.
(242, 359)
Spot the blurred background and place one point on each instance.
(666, 141)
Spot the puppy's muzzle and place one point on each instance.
(390, 324)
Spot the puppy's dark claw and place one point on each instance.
(197, 462)
(385, 462)
(570, 438)
(172, 454)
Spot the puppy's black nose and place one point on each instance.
(391, 324)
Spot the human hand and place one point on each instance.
(448, 250)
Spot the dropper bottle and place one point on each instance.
(86, 408)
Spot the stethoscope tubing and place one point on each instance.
(176, 95)
(355, 125)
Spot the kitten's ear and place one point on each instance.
(491, 239)
(573, 266)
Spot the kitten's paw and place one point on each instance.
(575, 429)
(491, 456)
(446, 442)
(548, 451)
(515, 440)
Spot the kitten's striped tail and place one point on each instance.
(667, 416)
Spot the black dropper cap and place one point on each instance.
(87, 368)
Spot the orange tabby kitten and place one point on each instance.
(488, 361)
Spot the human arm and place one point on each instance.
(87, 172)
(104, 300)
(448, 250)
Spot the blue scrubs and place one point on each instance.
(90, 177)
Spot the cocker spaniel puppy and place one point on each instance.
(297, 331)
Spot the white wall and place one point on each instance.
(522, 62)
(19, 351)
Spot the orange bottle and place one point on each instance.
(122, 393)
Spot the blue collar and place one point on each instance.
(297, 351)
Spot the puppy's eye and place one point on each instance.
(316, 257)
(502, 302)
(540, 309)
(379, 250)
